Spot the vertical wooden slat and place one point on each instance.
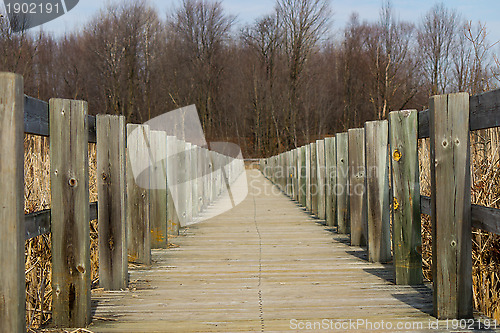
(321, 178)
(138, 210)
(302, 183)
(12, 286)
(341, 190)
(357, 189)
(158, 192)
(172, 218)
(182, 184)
(331, 179)
(70, 227)
(451, 206)
(111, 189)
(377, 191)
(314, 179)
(308, 176)
(407, 239)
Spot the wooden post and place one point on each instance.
(138, 210)
(406, 230)
(302, 176)
(377, 191)
(189, 182)
(331, 180)
(308, 177)
(182, 184)
(314, 179)
(158, 192)
(69, 185)
(12, 288)
(111, 187)
(451, 206)
(172, 218)
(341, 190)
(357, 187)
(321, 178)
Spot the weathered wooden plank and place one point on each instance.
(38, 223)
(314, 179)
(172, 218)
(69, 186)
(357, 187)
(302, 183)
(138, 185)
(308, 176)
(423, 124)
(407, 238)
(36, 119)
(12, 229)
(341, 190)
(321, 178)
(484, 218)
(451, 206)
(484, 110)
(331, 182)
(182, 182)
(377, 191)
(111, 189)
(158, 192)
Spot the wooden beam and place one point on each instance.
(451, 206)
(377, 191)
(69, 186)
(111, 189)
(320, 162)
(331, 180)
(406, 225)
(12, 230)
(342, 186)
(158, 192)
(357, 187)
(138, 184)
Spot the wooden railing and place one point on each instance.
(132, 219)
(358, 179)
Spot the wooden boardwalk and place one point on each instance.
(264, 266)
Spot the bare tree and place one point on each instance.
(436, 38)
(304, 23)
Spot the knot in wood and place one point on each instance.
(395, 204)
(73, 182)
(397, 155)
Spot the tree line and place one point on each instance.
(272, 85)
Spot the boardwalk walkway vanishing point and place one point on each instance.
(264, 266)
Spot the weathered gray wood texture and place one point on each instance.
(331, 182)
(407, 238)
(308, 176)
(321, 178)
(314, 179)
(172, 218)
(158, 192)
(451, 206)
(69, 185)
(357, 187)
(342, 188)
(138, 211)
(111, 189)
(377, 191)
(302, 183)
(12, 277)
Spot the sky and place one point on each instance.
(246, 11)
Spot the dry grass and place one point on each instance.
(38, 249)
(485, 149)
